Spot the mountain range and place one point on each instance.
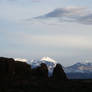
(35, 63)
(77, 70)
(79, 67)
(80, 70)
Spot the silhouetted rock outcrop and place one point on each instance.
(11, 69)
(6, 67)
(58, 73)
(40, 72)
(16, 76)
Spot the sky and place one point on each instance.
(60, 29)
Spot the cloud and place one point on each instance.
(69, 14)
(86, 19)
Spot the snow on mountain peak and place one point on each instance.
(48, 59)
(86, 62)
(20, 59)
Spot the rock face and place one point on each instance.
(6, 67)
(10, 69)
(58, 73)
(40, 72)
(43, 70)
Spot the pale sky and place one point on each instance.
(60, 29)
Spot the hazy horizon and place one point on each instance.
(60, 29)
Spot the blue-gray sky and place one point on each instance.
(60, 29)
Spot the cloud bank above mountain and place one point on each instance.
(69, 14)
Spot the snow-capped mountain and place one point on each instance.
(81, 67)
(47, 60)
(35, 63)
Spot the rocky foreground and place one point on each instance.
(16, 76)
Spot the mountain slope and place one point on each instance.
(85, 67)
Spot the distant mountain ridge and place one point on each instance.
(81, 70)
(80, 67)
(78, 70)
(85, 67)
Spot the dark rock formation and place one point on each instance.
(16, 76)
(40, 72)
(58, 73)
(6, 67)
(10, 69)
(15, 70)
